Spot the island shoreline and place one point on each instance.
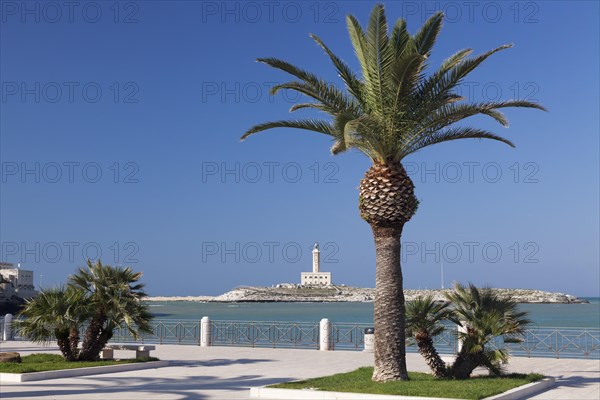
(292, 293)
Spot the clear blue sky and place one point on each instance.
(120, 132)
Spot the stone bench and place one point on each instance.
(140, 351)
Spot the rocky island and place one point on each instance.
(334, 293)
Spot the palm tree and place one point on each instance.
(484, 316)
(115, 298)
(56, 313)
(424, 318)
(392, 110)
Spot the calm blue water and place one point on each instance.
(555, 315)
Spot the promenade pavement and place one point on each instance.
(198, 373)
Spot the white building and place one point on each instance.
(316, 277)
(21, 280)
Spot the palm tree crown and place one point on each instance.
(486, 311)
(115, 294)
(393, 109)
(98, 299)
(57, 313)
(485, 315)
(423, 314)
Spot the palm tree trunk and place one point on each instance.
(464, 364)
(74, 342)
(62, 340)
(431, 356)
(389, 315)
(105, 336)
(90, 348)
(63, 345)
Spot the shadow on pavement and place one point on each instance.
(184, 388)
(576, 381)
(217, 362)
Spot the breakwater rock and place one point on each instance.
(334, 293)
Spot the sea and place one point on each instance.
(543, 315)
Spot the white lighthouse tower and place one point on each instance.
(316, 259)
(316, 277)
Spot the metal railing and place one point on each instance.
(537, 342)
(165, 331)
(348, 336)
(229, 333)
(555, 342)
(265, 334)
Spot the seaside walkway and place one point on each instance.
(198, 373)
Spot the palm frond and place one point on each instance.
(453, 60)
(353, 84)
(400, 39)
(359, 43)
(340, 122)
(514, 103)
(379, 61)
(331, 99)
(426, 36)
(317, 106)
(405, 76)
(290, 69)
(452, 134)
(440, 83)
(319, 126)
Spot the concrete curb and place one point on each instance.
(304, 394)
(68, 373)
(525, 391)
(520, 392)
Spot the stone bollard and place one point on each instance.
(7, 331)
(325, 335)
(205, 332)
(369, 340)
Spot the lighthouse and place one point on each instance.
(316, 258)
(316, 277)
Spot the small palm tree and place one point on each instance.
(392, 110)
(56, 313)
(424, 318)
(484, 315)
(115, 298)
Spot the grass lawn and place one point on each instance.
(420, 384)
(52, 362)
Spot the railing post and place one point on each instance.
(324, 335)
(7, 330)
(162, 330)
(199, 333)
(205, 332)
(369, 340)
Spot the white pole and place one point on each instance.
(442, 276)
(7, 331)
(324, 335)
(369, 340)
